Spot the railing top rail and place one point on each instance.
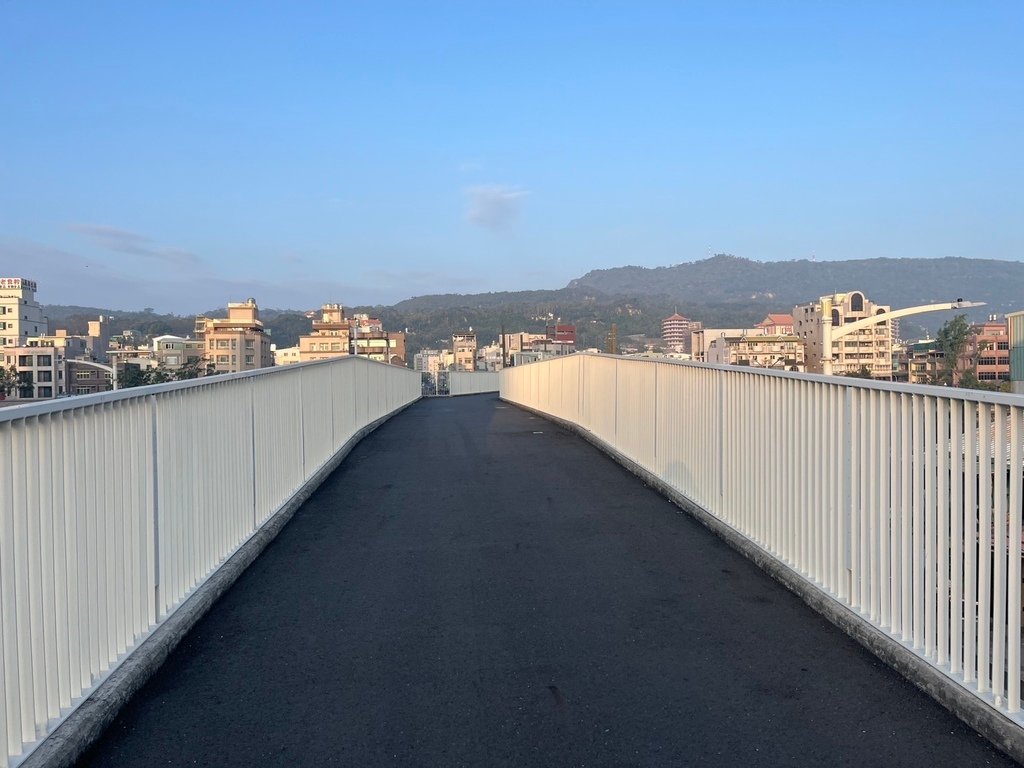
(30, 409)
(955, 393)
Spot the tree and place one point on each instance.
(951, 342)
(8, 381)
(863, 373)
(132, 376)
(193, 369)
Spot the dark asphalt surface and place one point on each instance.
(466, 592)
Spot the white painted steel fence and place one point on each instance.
(902, 502)
(472, 383)
(114, 508)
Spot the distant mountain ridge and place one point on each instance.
(897, 282)
(723, 291)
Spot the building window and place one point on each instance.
(83, 390)
(80, 375)
(248, 344)
(1003, 345)
(44, 376)
(248, 359)
(24, 361)
(46, 391)
(222, 344)
(222, 359)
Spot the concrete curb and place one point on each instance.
(1002, 732)
(91, 718)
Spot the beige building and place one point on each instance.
(702, 338)
(780, 352)
(514, 343)
(383, 346)
(41, 371)
(173, 352)
(237, 342)
(433, 360)
(464, 349)
(329, 337)
(869, 347)
(285, 355)
(21, 316)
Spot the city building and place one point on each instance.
(238, 342)
(869, 347)
(777, 325)
(285, 355)
(1015, 342)
(433, 360)
(675, 333)
(988, 350)
(369, 339)
(916, 362)
(382, 346)
(701, 338)
(329, 337)
(41, 371)
(517, 342)
(84, 378)
(489, 358)
(781, 352)
(464, 349)
(564, 334)
(174, 352)
(21, 316)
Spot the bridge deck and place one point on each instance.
(475, 586)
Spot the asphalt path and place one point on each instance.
(475, 586)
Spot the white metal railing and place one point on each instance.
(902, 502)
(115, 507)
(472, 382)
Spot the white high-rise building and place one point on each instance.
(20, 313)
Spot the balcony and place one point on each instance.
(476, 584)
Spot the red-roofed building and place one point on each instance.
(777, 325)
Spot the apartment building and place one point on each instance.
(173, 352)
(285, 355)
(383, 346)
(464, 349)
(329, 336)
(988, 350)
(777, 325)
(83, 378)
(41, 372)
(778, 351)
(433, 360)
(869, 347)
(21, 316)
(238, 342)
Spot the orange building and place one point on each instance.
(237, 342)
(330, 335)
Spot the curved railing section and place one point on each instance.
(902, 502)
(115, 507)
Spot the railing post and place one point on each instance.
(155, 474)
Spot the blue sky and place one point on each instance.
(181, 155)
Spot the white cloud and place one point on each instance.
(493, 206)
(133, 244)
